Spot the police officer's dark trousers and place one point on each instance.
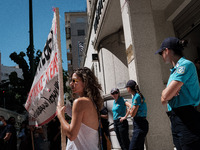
(185, 125)
(121, 130)
(140, 130)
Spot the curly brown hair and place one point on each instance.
(92, 87)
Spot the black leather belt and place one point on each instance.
(139, 118)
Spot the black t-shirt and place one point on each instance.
(11, 144)
(104, 122)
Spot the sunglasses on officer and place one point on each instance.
(114, 93)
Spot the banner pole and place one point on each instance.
(60, 75)
(32, 140)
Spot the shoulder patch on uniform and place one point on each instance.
(181, 70)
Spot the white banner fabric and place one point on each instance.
(43, 96)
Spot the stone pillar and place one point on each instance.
(144, 67)
(128, 38)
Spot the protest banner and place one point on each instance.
(47, 86)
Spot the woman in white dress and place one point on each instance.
(82, 132)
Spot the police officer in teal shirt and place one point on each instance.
(120, 114)
(181, 95)
(139, 113)
(185, 72)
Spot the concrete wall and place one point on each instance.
(113, 59)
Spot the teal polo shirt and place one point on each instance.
(142, 110)
(185, 71)
(119, 108)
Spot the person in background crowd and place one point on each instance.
(6, 135)
(13, 138)
(181, 95)
(2, 132)
(139, 113)
(38, 136)
(105, 129)
(120, 114)
(24, 136)
(54, 135)
(82, 133)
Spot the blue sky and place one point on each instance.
(14, 25)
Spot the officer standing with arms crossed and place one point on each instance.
(181, 95)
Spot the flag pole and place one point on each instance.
(32, 140)
(60, 76)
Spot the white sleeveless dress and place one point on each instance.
(87, 139)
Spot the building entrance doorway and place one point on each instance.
(187, 26)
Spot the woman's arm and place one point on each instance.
(71, 130)
(104, 116)
(133, 110)
(170, 91)
(127, 112)
(7, 136)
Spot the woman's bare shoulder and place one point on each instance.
(90, 117)
(82, 101)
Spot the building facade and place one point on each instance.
(124, 36)
(76, 28)
(7, 70)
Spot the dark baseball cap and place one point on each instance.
(170, 43)
(130, 83)
(114, 90)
